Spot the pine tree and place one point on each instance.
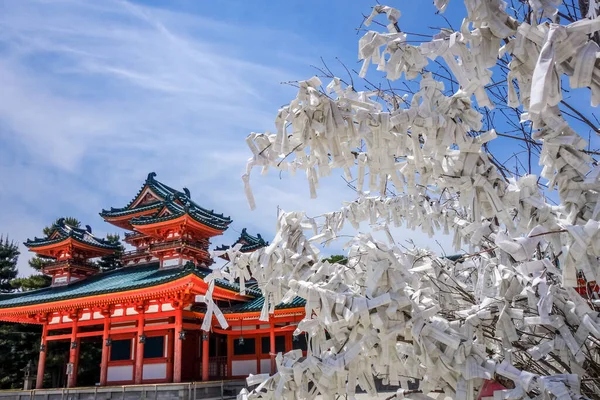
(112, 261)
(9, 253)
(17, 342)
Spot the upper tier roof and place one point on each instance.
(177, 202)
(171, 210)
(119, 280)
(248, 242)
(61, 231)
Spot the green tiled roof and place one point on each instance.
(256, 305)
(65, 231)
(203, 272)
(167, 193)
(249, 242)
(176, 210)
(114, 281)
(117, 212)
(119, 280)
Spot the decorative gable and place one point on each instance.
(146, 197)
(164, 212)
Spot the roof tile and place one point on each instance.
(66, 231)
(119, 280)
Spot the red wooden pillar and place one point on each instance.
(272, 352)
(205, 356)
(39, 383)
(170, 338)
(229, 356)
(178, 345)
(105, 351)
(73, 353)
(139, 353)
(289, 338)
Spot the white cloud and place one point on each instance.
(94, 95)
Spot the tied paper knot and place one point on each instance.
(506, 304)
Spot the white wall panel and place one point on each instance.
(119, 373)
(265, 366)
(153, 308)
(131, 311)
(154, 371)
(243, 367)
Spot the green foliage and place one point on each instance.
(337, 259)
(32, 282)
(38, 262)
(90, 356)
(36, 281)
(9, 254)
(112, 261)
(19, 344)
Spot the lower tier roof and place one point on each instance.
(257, 305)
(119, 280)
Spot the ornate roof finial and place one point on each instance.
(151, 176)
(187, 192)
(88, 228)
(60, 221)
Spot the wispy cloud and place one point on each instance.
(94, 95)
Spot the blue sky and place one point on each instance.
(95, 95)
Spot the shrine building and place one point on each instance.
(146, 316)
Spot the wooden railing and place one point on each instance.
(178, 243)
(134, 253)
(70, 262)
(217, 367)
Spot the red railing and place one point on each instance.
(172, 244)
(179, 243)
(70, 262)
(134, 253)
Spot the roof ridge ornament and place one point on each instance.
(187, 192)
(151, 176)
